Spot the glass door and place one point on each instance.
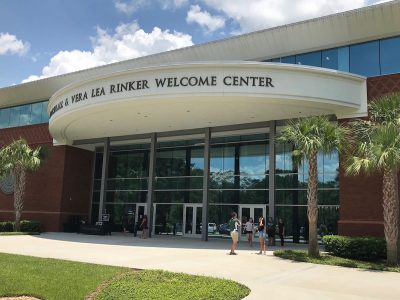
(251, 211)
(192, 214)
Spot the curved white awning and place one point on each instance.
(196, 95)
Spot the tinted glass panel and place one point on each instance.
(4, 117)
(343, 59)
(14, 116)
(36, 113)
(309, 59)
(45, 117)
(364, 59)
(330, 59)
(288, 59)
(25, 115)
(390, 56)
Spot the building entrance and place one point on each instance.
(251, 211)
(192, 219)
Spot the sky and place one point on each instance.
(44, 38)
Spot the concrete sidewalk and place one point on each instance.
(268, 277)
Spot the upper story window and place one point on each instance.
(373, 58)
(28, 114)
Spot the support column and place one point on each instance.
(206, 184)
(151, 184)
(271, 205)
(104, 176)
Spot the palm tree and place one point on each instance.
(377, 149)
(16, 159)
(310, 136)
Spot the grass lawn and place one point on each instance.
(326, 259)
(55, 279)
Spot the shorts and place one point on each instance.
(249, 232)
(235, 235)
(261, 234)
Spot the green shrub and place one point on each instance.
(362, 248)
(30, 226)
(26, 226)
(6, 226)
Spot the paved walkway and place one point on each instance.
(267, 276)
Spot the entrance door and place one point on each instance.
(192, 214)
(251, 211)
(141, 210)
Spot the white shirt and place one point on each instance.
(249, 226)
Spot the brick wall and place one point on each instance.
(361, 212)
(59, 189)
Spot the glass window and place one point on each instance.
(25, 115)
(14, 116)
(4, 117)
(278, 60)
(309, 59)
(330, 59)
(390, 55)
(364, 59)
(45, 117)
(343, 59)
(36, 113)
(253, 159)
(288, 59)
(196, 162)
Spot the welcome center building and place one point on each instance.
(187, 136)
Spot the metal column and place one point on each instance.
(104, 175)
(206, 184)
(271, 205)
(151, 185)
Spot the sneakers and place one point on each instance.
(232, 253)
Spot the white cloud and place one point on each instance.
(128, 41)
(252, 15)
(204, 19)
(172, 4)
(131, 6)
(9, 44)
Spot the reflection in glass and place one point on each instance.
(45, 116)
(14, 116)
(168, 219)
(36, 113)
(390, 55)
(330, 59)
(309, 59)
(364, 59)
(25, 115)
(4, 117)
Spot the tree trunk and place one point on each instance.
(312, 203)
(19, 191)
(391, 215)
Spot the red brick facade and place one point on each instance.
(59, 189)
(361, 212)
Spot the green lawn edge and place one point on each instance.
(326, 259)
(18, 233)
(55, 279)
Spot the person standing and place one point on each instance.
(249, 231)
(234, 226)
(145, 227)
(261, 234)
(271, 232)
(281, 227)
